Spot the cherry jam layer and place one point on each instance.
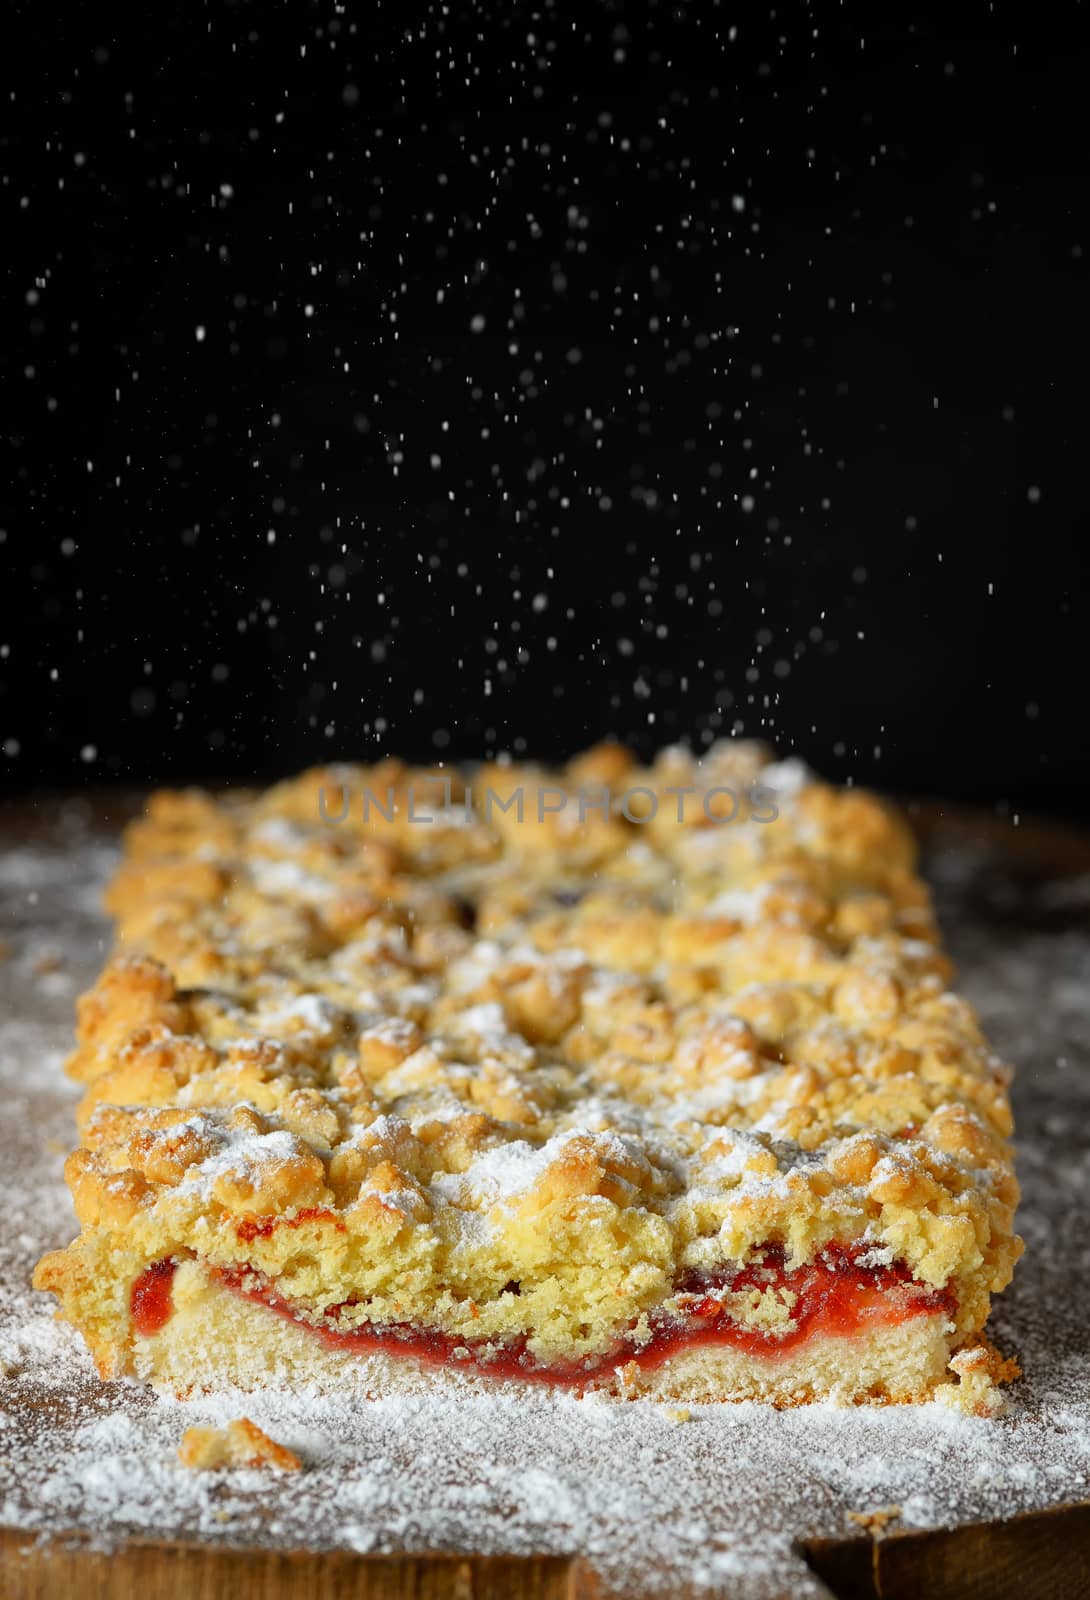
(151, 1298)
(837, 1295)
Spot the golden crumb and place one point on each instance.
(877, 1521)
(980, 1370)
(241, 1444)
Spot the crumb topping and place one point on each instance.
(517, 1078)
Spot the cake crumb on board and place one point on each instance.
(241, 1444)
(877, 1521)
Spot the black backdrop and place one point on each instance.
(443, 379)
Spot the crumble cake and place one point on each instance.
(661, 1097)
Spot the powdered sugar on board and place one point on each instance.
(716, 1500)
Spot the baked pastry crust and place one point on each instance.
(533, 1087)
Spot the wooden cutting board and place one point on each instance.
(1036, 1556)
(170, 1570)
(1009, 898)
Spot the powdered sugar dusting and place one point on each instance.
(510, 1170)
(241, 1155)
(717, 1501)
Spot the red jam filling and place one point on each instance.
(264, 1227)
(150, 1302)
(835, 1295)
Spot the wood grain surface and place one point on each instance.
(174, 1571)
(1043, 1555)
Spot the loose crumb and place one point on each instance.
(981, 1369)
(875, 1522)
(241, 1444)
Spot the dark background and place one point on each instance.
(444, 379)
